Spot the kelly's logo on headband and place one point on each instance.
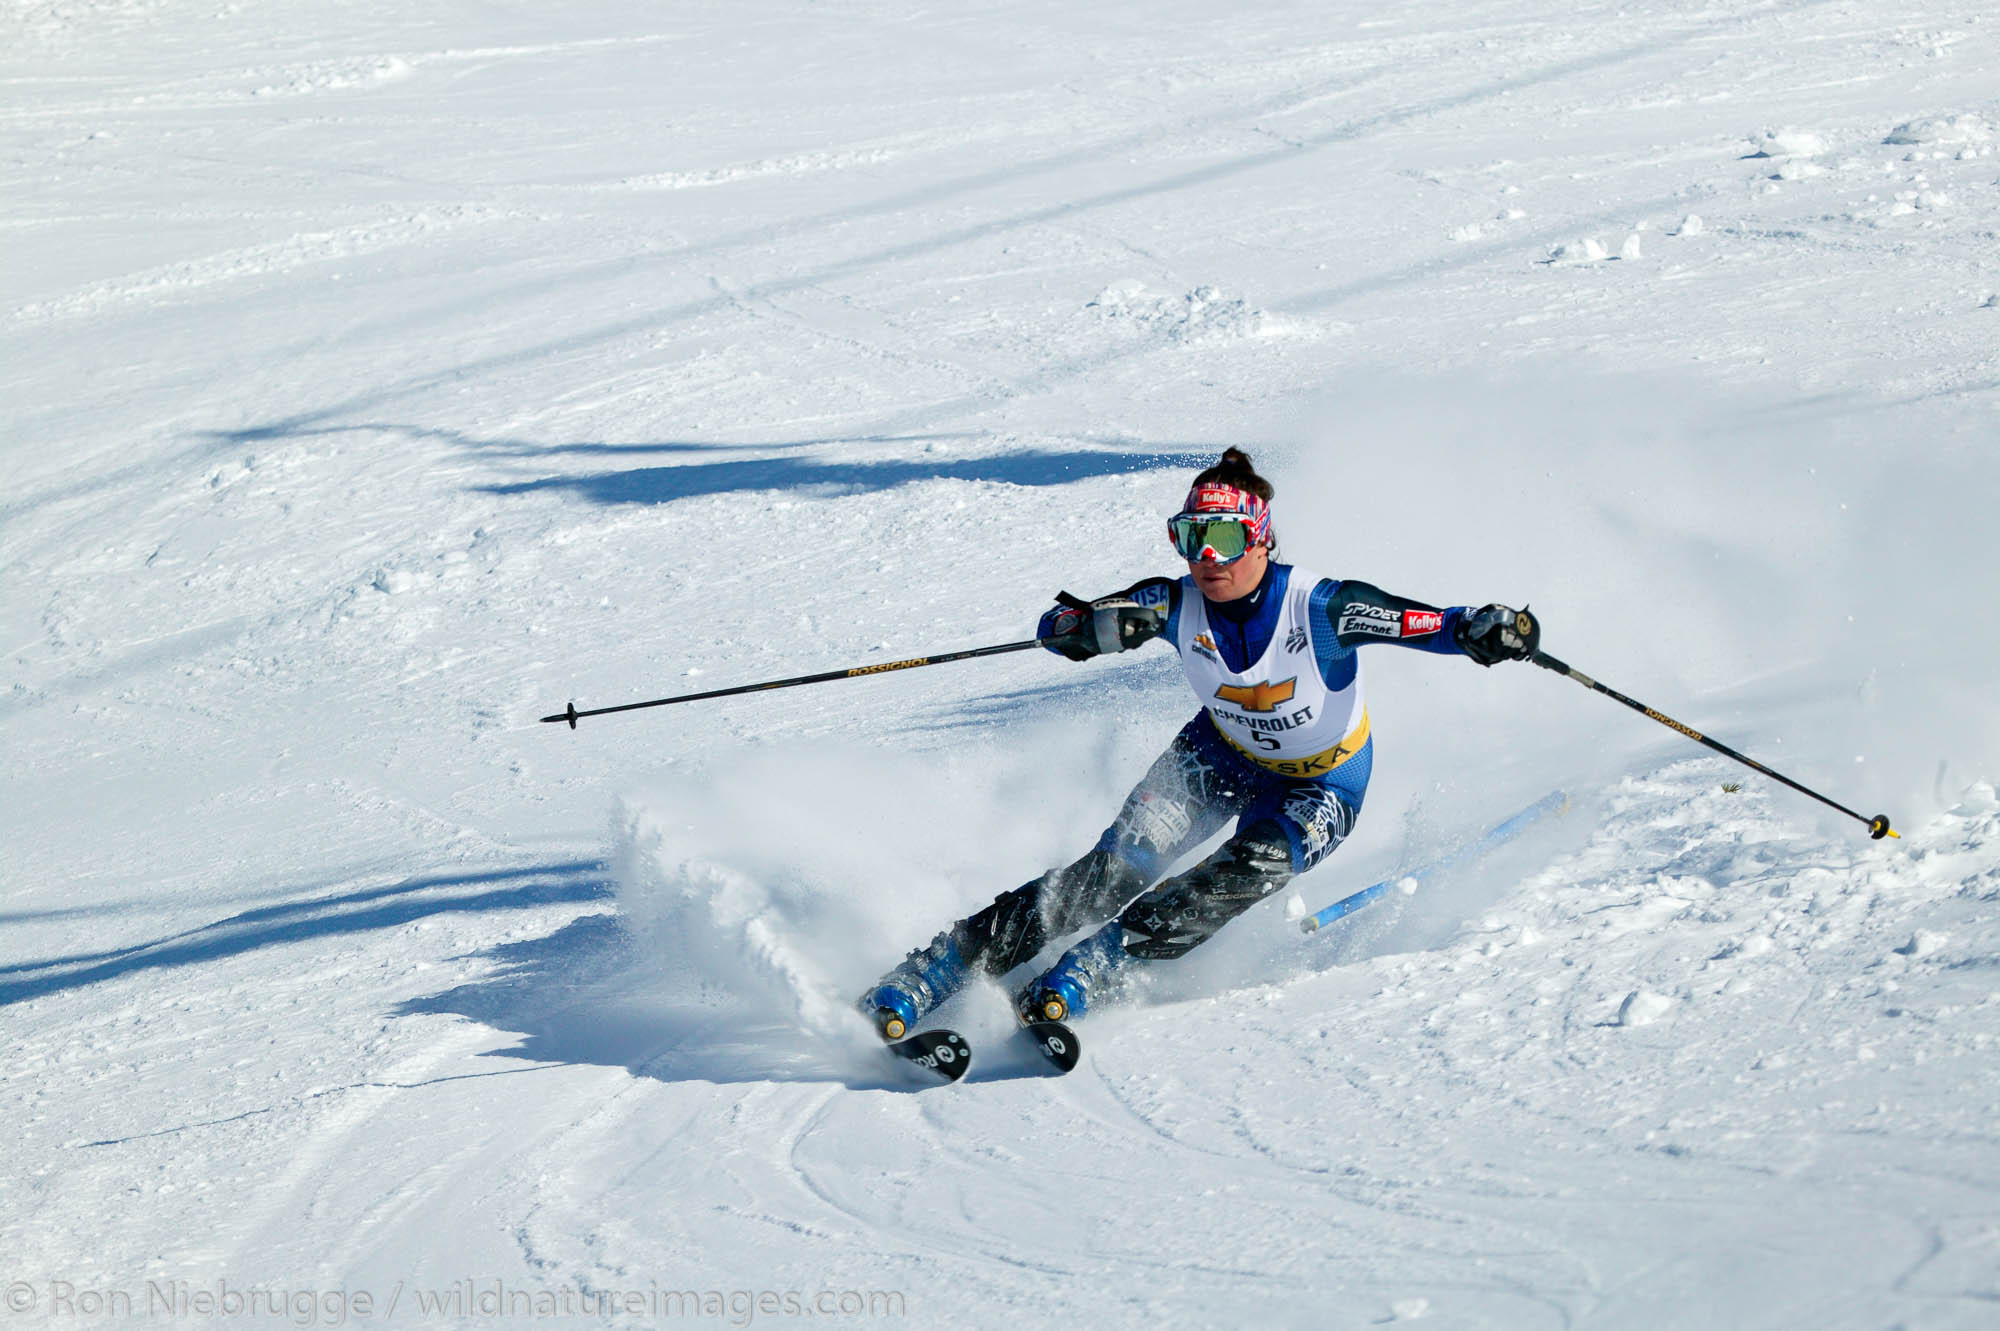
(1222, 499)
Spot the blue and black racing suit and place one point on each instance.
(1292, 806)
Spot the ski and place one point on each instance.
(1494, 837)
(1055, 1042)
(940, 1051)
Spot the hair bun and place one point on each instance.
(1235, 468)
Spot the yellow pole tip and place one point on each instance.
(1894, 833)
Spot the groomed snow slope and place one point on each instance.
(375, 380)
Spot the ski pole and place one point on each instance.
(1878, 826)
(572, 715)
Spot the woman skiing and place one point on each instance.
(1281, 744)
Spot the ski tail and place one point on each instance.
(940, 1051)
(1055, 1042)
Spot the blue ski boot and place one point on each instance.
(1063, 992)
(925, 979)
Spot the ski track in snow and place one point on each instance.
(181, 280)
(376, 383)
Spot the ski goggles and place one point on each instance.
(1219, 523)
(1210, 538)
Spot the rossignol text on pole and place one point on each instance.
(1878, 826)
(572, 715)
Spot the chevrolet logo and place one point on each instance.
(1259, 697)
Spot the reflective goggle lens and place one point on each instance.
(1211, 540)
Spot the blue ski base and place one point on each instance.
(1494, 837)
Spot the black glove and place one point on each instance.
(1083, 629)
(1494, 633)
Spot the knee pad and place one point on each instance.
(1004, 934)
(1183, 912)
(1019, 923)
(1262, 852)
(1089, 891)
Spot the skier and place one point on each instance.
(1281, 744)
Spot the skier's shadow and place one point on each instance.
(293, 918)
(584, 995)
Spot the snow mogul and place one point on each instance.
(1281, 744)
